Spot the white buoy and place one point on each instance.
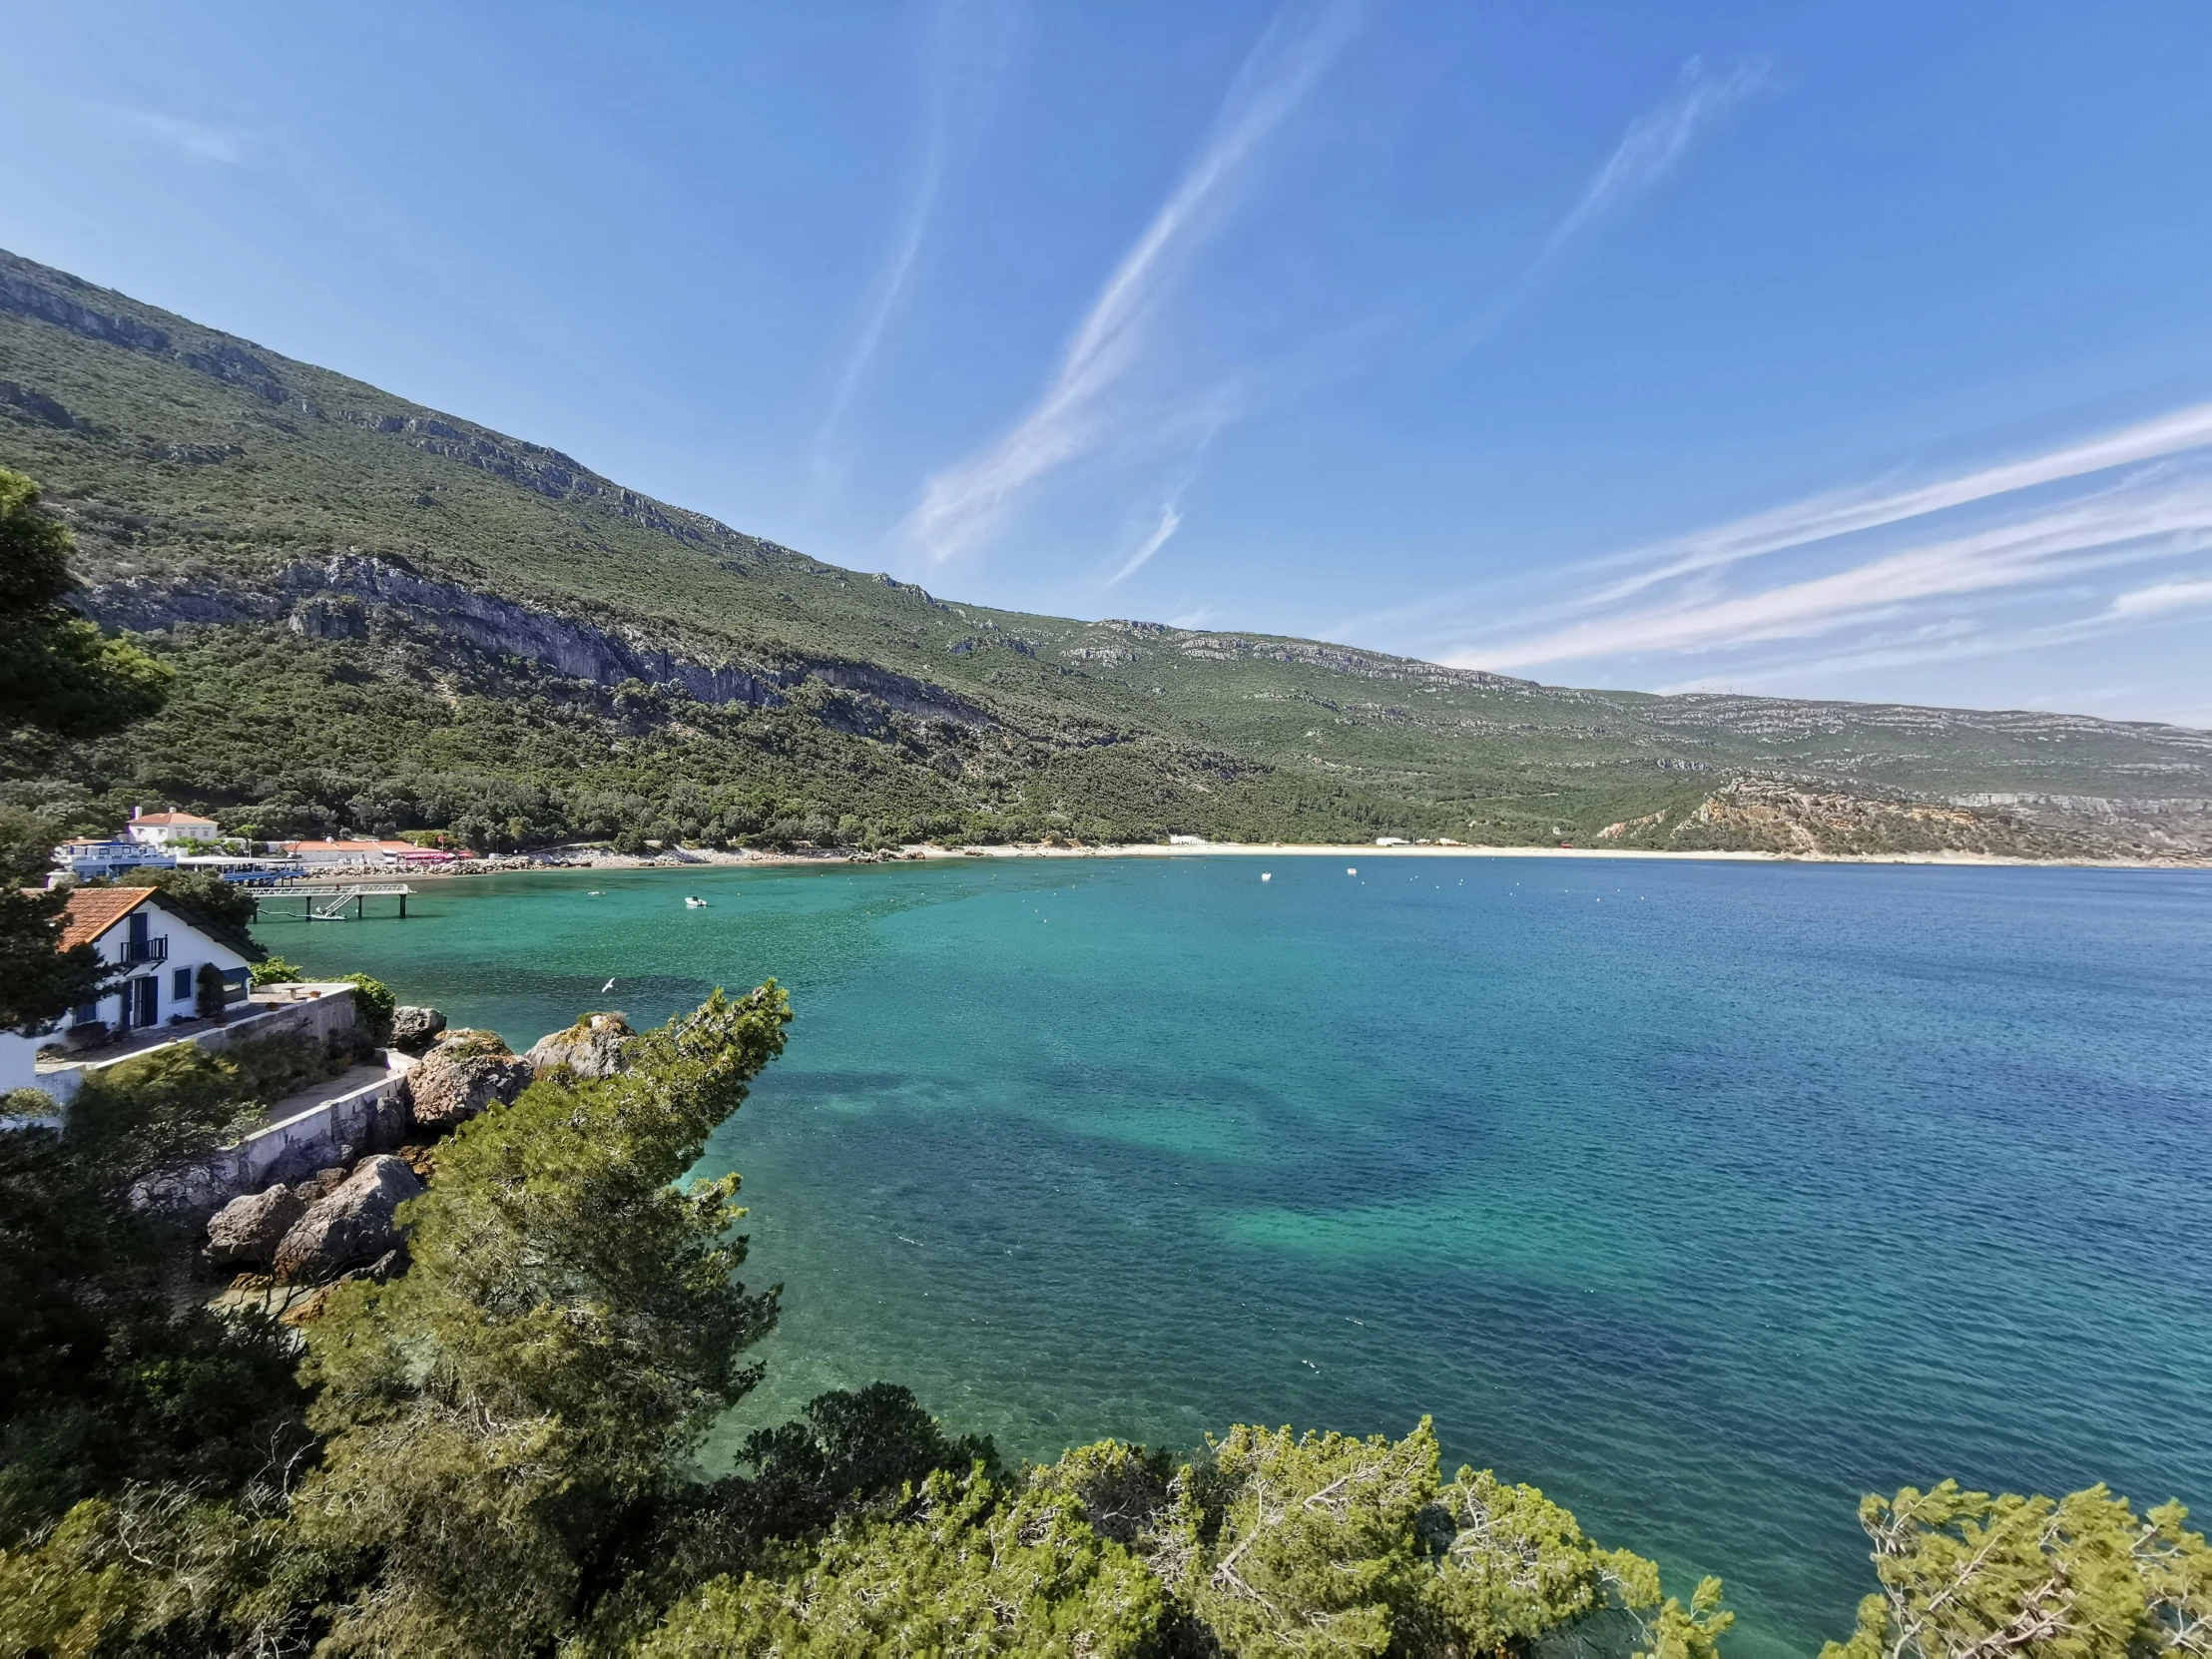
(1265, 877)
(1351, 869)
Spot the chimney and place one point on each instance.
(135, 810)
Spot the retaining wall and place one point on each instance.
(363, 1110)
(331, 1016)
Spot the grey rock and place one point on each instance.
(323, 1182)
(349, 1227)
(592, 1047)
(465, 1073)
(414, 1029)
(246, 1231)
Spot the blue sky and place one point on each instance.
(1860, 351)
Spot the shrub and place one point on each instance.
(375, 1001)
(209, 993)
(275, 971)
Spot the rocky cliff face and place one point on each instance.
(1119, 640)
(336, 599)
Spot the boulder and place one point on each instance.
(323, 1183)
(350, 1226)
(413, 1029)
(464, 1075)
(592, 1047)
(246, 1231)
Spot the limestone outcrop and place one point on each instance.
(352, 1226)
(462, 1076)
(592, 1047)
(246, 1231)
(414, 1029)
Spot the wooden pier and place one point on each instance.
(326, 901)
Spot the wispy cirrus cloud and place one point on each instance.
(1847, 512)
(963, 505)
(2141, 519)
(2162, 596)
(194, 139)
(1171, 520)
(1652, 146)
(1657, 139)
(966, 55)
(2028, 553)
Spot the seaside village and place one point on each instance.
(342, 1093)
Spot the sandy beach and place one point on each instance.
(580, 858)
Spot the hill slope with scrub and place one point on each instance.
(386, 618)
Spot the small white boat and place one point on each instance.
(695, 904)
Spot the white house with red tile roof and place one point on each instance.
(156, 954)
(160, 828)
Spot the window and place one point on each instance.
(180, 985)
(86, 1014)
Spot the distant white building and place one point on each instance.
(93, 858)
(157, 952)
(360, 854)
(1391, 841)
(160, 829)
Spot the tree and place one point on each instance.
(2082, 1577)
(500, 1418)
(1280, 1545)
(59, 677)
(38, 978)
(60, 680)
(104, 1381)
(222, 908)
(970, 1569)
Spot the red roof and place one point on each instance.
(93, 910)
(170, 818)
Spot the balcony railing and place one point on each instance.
(136, 951)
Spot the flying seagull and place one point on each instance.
(608, 986)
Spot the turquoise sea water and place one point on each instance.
(1706, 1197)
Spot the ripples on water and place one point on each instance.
(1705, 1196)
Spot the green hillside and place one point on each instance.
(384, 617)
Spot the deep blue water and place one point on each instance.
(1706, 1197)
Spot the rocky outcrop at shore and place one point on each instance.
(350, 1226)
(592, 1047)
(246, 1231)
(414, 1029)
(462, 1076)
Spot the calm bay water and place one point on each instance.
(1706, 1197)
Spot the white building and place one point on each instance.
(352, 855)
(157, 955)
(160, 829)
(92, 860)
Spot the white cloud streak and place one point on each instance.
(1840, 513)
(2162, 596)
(1656, 140)
(2149, 516)
(193, 138)
(967, 59)
(1170, 521)
(1649, 150)
(961, 506)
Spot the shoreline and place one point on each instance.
(704, 858)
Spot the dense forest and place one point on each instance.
(378, 616)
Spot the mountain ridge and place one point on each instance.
(259, 517)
